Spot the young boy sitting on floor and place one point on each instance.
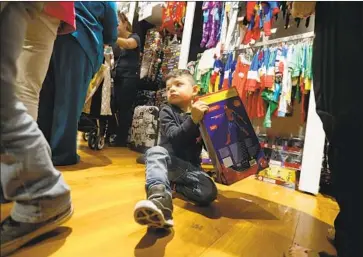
(175, 163)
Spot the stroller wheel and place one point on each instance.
(92, 141)
(85, 136)
(100, 143)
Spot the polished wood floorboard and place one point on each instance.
(249, 219)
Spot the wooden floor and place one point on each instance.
(249, 219)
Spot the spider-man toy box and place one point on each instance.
(230, 138)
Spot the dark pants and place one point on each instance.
(62, 98)
(125, 90)
(337, 67)
(190, 181)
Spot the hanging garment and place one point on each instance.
(240, 78)
(285, 98)
(204, 83)
(173, 17)
(272, 103)
(230, 41)
(211, 23)
(228, 71)
(207, 22)
(252, 75)
(216, 15)
(296, 62)
(264, 64)
(270, 73)
(302, 9)
(206, 61)
(269, 9)
(308, 72)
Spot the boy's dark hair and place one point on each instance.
(180, 73)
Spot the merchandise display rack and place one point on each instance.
(314, 137)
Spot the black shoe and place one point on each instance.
(16, 234)
(157, 210)
(141, 159)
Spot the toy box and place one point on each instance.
(230, 139)
(280, 176)
(286, 159)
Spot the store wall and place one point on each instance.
(283, 126)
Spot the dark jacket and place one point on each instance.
(180, 135)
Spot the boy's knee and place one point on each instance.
(208, 193)
(156, 150)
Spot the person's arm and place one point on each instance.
(129, 43)
(110, 23)
(182, 134)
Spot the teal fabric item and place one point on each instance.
(297, 60)
(96, 25)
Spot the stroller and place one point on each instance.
(97, 109)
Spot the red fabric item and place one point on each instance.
(172, 17)
(269, 81)
(63, 11)
(267, 28)
(248, 36)
(256, 31)
(239, 80)
(213, 78)
(250, 9)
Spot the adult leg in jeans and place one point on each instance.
(189, 181)
(42, 198)
(33, 61)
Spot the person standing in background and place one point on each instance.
(76, 58)
(42, 199)
(339, 106)
(33, 62)
(127, 77)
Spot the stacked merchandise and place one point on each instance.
(285, 157)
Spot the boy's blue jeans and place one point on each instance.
(190, 181)
(28, 176)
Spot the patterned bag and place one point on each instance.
(144, 129)
(161, 97)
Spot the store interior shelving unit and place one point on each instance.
(314, 134)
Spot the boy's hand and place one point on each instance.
(198, 110)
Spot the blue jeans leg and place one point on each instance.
(190, 181)
(28, 176)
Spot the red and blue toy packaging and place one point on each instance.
(230, 139)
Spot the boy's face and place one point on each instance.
(180, 91)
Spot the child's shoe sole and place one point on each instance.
(13, 245)
(148, 214)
